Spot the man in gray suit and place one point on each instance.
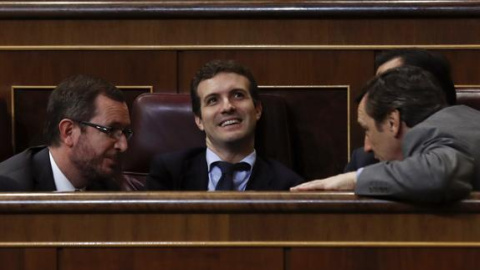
(428, 152)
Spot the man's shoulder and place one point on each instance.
(17, 173)
(276, 168)
(179, 156)
(168, 171)
(19, 161)
(179, 160)
(452, 115)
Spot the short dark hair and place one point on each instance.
(414, 92)
(433, 62)
(74, 98)
(210, 70)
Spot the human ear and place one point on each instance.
(259, 109)
(199, 122)
(394, 122)
(66, 129)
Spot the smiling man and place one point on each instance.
(428, 151)
(86, 132)
(226, 106)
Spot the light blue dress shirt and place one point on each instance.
(240, 178)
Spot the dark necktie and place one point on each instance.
(228, 169)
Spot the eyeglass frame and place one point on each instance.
(109, 131)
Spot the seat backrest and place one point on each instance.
(164, 123)
(469, 96)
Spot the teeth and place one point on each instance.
(230, 122)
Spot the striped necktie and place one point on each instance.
(228, 169)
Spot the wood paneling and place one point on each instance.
(384, 258)
(168, 258)
(235, 9)
(280, 31)
(230, 216)
(145, 68)
(464, 63)
(28, 258)
(250, 230)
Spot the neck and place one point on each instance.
(401, 136)
(232, 153)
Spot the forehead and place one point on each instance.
(109, 111)
(392, 63)
(363, 117)
(222, 82)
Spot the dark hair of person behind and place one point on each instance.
(74, 98)
(210, 70)
(432, 62)
(414, 92)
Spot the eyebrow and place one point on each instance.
(210, 95)
(117, 124)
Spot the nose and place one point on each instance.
(367, 146)
(228, 106)
(121, 144)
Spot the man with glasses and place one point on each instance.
(86, 131)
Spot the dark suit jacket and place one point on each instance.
(187, 170)
(30, 170)
(360, 159)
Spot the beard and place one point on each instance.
(90, 164)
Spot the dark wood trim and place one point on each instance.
(226, 202)
(235, 9)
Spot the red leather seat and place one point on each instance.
(469, 96)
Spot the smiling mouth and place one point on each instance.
(229, 122)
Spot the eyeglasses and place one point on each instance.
(115, 133)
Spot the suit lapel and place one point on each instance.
(195, 173)
(260, 178)
(42, 170)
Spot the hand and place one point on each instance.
(345, 181)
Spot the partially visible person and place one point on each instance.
(434, 63)
(226, 106)
(86, 131)
(428, 151)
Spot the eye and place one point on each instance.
(239, 95)
(211, 101)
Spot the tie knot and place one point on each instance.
(230, 168)
(226, 181)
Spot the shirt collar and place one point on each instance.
(212, 157)
(61, 181)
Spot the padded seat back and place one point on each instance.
(469, 96)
